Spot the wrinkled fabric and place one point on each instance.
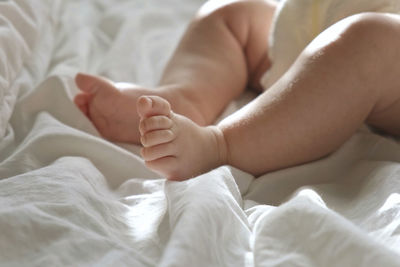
(70, 198)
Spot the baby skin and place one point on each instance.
(171, 141)
(111, 107)
(307, 114)
(161, 131)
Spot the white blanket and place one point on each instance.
(69, 197)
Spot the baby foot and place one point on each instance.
(111, 110)
(174, 145)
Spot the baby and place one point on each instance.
(349, 74)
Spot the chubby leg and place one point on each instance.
(223, 50)
(348, 75)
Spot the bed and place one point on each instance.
(68, 197)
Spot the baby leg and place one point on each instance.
(348, 75)
(223, 49)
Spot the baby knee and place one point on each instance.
(372, 30)
(369, 35)
(370, 26)
(234, 14)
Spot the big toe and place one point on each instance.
(91, 84)
(148, 106)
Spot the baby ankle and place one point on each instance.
(221, 145)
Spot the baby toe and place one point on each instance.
(148, 106)
(91, 84)
(159, 151)
(154, 123)
(154, 138)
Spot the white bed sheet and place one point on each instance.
(68, 197)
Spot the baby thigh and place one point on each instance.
(384, 72)
(365, 47)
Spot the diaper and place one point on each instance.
(297, 22)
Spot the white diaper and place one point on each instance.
(298, 22)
